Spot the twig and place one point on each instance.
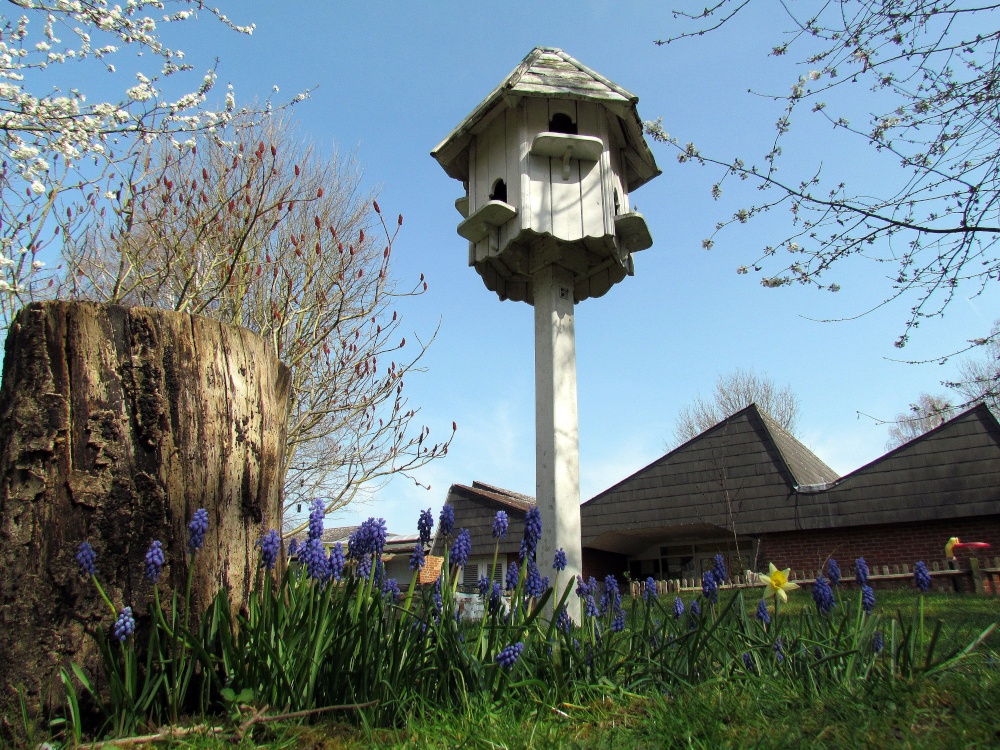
(312, 711)
(250, 722)
(145, 739)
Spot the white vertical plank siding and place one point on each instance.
(538, 169)
(567, 217)
(591, 189)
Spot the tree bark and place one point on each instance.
(116, 424)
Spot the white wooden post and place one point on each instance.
(557, 457)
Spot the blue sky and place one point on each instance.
(391, 79)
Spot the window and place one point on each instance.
(499, 191)
(562, 123)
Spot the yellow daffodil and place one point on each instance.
(777, 582)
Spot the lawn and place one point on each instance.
(957, 709)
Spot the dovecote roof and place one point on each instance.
(550, 73)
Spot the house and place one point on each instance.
(749, 490)
(475, 509)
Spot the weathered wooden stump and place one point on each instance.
(116, 424)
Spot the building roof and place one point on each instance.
(747, 475)
(475, 508)
(550, 73)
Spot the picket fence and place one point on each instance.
(972, 574)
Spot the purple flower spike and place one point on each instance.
(417, 558)
(678, 607)
(197, 529)
(124, 626)
(336, 561)
(500, 524)
(719, 570)
(446, 521)
(861, 571)
(293, 547)
(867, 599)
(533, 584)
(509, 656)
(461, 549)
(513, 574)
(823, 596)
(424, 526)
(154, 561)
(833, 572)
(86, 558)
(650, 592)
(559, 563)
(709, 587)
(762, 614)
(532, 532)
(270, 548)
(317, 518)
(922, 577)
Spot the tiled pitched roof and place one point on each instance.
(551, 73)
(805, 466)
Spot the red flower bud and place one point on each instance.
(400, 222)
(274, 151)
(377, 209)
(319, 193)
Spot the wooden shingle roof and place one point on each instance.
(550, 73)
(476, 507)
(748, 475)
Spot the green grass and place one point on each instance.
(955, 710)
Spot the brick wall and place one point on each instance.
(599, 564)
(888, 544)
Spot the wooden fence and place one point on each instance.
(973, 575)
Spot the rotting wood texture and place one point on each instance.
(116, 424)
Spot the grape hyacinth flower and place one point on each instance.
(867, 599)
(313, 557)
(335, 564)
(709, 588)
(513, 575)
(424, 526)
(695, 609)
(618, 624)
(922, 577)
(582, 588)
(436, 595)
(590, 606)
(293, 547)
(762, 614)
(496, 596)
(500, 524)
(861, 571)
(197, 529)
(559, 562)
(461, 549)
(533, 584)
(532, 532)
(878, 642)
(833, 572)
(509, 656)
(650, 592)
(390, 589)
(563, 621)
(317, 515)
(678, 607)
(417, 558)
(86, 558)
(154, 561)
(748, 663)
(719, 570)
(124, 626)
(446, 521)
(779, 653)
(270, 547)
(611, 599)
(823, 596)
(483, 585)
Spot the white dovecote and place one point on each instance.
(549, 160)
